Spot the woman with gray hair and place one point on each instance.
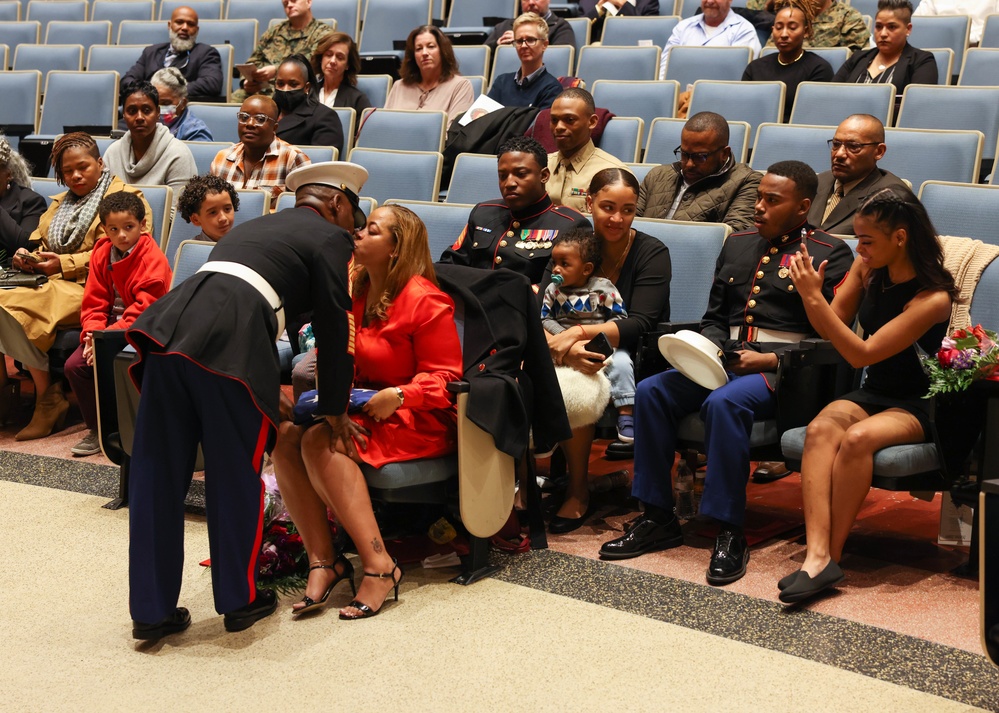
(172, 88)
(20, 207)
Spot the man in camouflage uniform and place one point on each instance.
(300, 33)
(836, 24)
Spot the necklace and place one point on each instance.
(787, 64)
(620, 261)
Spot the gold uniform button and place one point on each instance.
(475, 245)
(509, 234)
(773, 251)
(756, 289)
(498, 260)
(731, 280)
(759, 275)
(765, 260)
(790, 288)
(752, 303)
(530, 255)
(749, 319)
(516, 224)
(503, 243)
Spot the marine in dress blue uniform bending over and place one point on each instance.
(209, 374)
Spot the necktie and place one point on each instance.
(834, 200)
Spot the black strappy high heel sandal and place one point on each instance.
(367, 611)
(348, 574)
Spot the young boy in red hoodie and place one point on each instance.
(128, 272)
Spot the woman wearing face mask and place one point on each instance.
(302, 120)
(148, 154)
(174, 113)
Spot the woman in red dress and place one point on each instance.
(406, 348)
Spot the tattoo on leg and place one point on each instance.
(376, 544)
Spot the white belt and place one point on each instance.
(767, 335)
(252, 278)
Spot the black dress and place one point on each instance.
(810, 68)
(20, 209)
(898, 381)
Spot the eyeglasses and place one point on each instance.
(852, 147)
(695, 157)
(255, 119)
(529, 41)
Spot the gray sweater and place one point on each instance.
(168, 162)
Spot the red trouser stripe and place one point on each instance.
(258, 457)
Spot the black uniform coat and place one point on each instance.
(513, 387)
(518, 240)
(226, 326)
(348, 96)
(752, 288)
(203, 71)
(312, 125)
(840, 221)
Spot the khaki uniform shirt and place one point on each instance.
(571, 178)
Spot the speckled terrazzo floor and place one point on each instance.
(553, 632)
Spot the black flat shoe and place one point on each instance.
(348, 574)
(805, 587)
(729, 558)
(645, 535)
(367, 611)
(177, 622)
(559, 525)
(788, 580)
(245, 617)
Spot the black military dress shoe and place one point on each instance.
(645, 535)
(177, 622)
(245, 617)
(729, 559)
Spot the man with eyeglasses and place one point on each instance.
(705, 184)
(200, 64)
(754, 314)
(531, 85)
(855, 149)
(260, 159)
(559, 31)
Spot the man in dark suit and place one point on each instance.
(598, 11)
(857, 146)
(559, 31)
(199, 63)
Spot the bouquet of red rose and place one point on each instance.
(967, 355)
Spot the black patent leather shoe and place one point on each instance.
(729, 559)
(243, 618)
(177, 622)
(645, 535)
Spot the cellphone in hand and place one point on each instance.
(600, 345)
(32, 257)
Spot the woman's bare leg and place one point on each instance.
(340, 483)
(854, 466)
(822, 442)
(577, 460)
(306, 508)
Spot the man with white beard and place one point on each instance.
(199, 63)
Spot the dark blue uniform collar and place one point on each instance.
(792, 236)
(534, 209)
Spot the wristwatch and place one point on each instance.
(402, 397)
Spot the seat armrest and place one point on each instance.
(459, 387)
(674, 327)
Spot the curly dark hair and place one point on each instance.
(524, 144)
(410, 69)
(589, 245)
(897, 207)
(121, 202)
(144, 88)
(197, 188)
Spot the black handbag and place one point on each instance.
(15, 278)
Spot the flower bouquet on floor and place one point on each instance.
(967, 355)
(283, 563)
